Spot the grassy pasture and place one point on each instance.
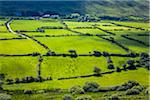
(20, 47)
(132, 45)
(140, 75)
(32, 25)
(7, 35)
(90, 31)
(81, 44)
(130, 32)
(141, 38)
(67, 67)
(58, 67)
(18, 67)
(135, 24)
(51, 32)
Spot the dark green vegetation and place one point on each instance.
(99, 8)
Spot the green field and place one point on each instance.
(63, 67)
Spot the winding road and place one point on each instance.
(24, 35)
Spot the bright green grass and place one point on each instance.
(86, 24)
(18, 67)
(135, 24)
(81, 44)
(31, 25)
(20, 47)
(51, 32)
(119, 61)
(140, 75)
(90, 31)
(2, 22)
(130, 32)
(7, 35)
(67, 67)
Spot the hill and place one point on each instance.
(100, 8)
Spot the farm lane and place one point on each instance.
(24, 35)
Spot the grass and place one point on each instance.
(7, 35)
(67, 67)
(132, 45)
(51, 32)
(140, 75)
(135, 24)
(81, 44)
(58, 67)
(18, 67)
(20, 47)
(29, 26)
(95, 96)
(141, 38)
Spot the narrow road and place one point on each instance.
(11, 31)
(24, 35)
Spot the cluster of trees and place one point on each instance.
(28, 79)
(110, 64)
(51, 27)
(17, 38)
(134, 64)
(82, 18)
(84, 27)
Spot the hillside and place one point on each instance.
(100, 8)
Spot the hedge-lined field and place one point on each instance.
(90, 46)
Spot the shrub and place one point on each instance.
(97, 70)
(147, 91)
(132, 92)
(40, 91)
(85, 97)
(111, 66)
(118, 69)
(76, 90)
(67, 97)
(91, 87)
(27, 92)
(114, 97)
(5, 96)
(140, 88)
(122, 88)
(134, 83)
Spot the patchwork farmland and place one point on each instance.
(52, 54)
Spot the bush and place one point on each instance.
(132, 92)
(134, 83)
(114, 97)
(5, 97)
(27, 92)
(118, 69)
(140, 88)
(97, 70)
(67, 97)
(76, 90)
(91, 87)
(85, 97)
(147, 91)
(111, 66)
(40, 91)
(122, 88)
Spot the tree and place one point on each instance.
(97, 71)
